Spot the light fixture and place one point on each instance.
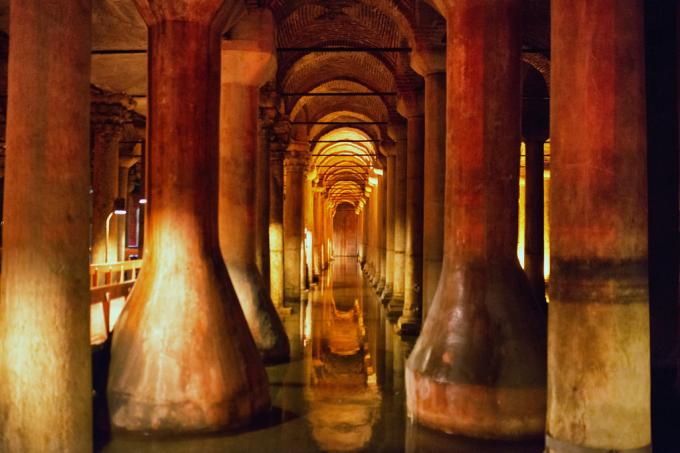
(378, 171)
(373, 180)
(142, 201)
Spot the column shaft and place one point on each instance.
(389, 228)
(397, 301)
(276, 226)
(598, 344)
(46, 396)
(409, 323)
(433, 184)
(533, 215)
(293, 221)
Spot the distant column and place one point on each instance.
(389, 177)
(124, 166)
(276, 153)
(46, 384)
(398, 134)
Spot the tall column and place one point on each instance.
(183, 359)
(124, 165)
(46, 394)
(318, 231)
(411, 106)
(478, 367)
(431, 64)
(108, 115)
(276, 223)
(389, 177)
(295, 169)
(534, 215)
(249, 48)
(398, 134)
(598, 344)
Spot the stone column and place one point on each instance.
(478, 367)
(46, 390)
(411, 106)
(318, 236)
(276, 223)
(398, 134)
(183, 359)
(295, 168)
(249, 48)
(431, 64)
(124, 165)
(598, 344)
(108, 115)
(389, 177)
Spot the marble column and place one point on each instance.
(276, 153)
(431, 64)
(479, 365)
(183, 358)
(108, 115)
(250, 48)
(382, 237)
(411, 106)
(397, 132)
(46, 390)
(295, 169)
(598, 343)
(389, 178)
(124, 166)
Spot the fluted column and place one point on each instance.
(389, 178)
(295, 169)
(46, 393)
(277, 152)
(124, 166)
(398, 134)
(478, 367)
(250, 48)
(431, 64)
(411, 107)
(598, 344)
(108, 115)
(183, 358)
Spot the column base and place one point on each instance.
(475, 410)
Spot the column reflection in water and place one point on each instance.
(343, 395)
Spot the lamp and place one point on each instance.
(118, 209)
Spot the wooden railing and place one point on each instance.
(110, 285)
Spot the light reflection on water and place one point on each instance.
(343, 390)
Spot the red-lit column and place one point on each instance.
(388, 180)
(431, 64)
(46, 392)
(295, 170)
(478, 367)
(183, 359)
(108, 115)
(598, 343)
(411, 107)
(397, 132)
(250, 48)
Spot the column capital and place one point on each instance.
(249, 57)
(296, 156)
(410, 104)
(204, 12)
(397, 130)
(388, 148)
(108, 111)
(428, 60)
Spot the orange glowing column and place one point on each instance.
(45, 379)
(183, 359)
